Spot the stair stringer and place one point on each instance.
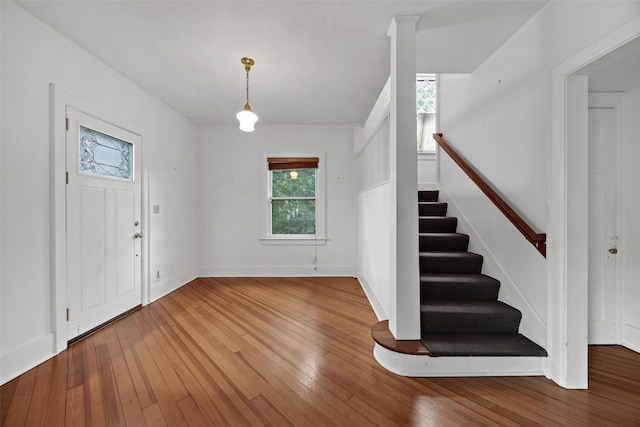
(410, 365)
(532, 324)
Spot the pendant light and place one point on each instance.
(246, 117)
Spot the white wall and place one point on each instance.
(630, 212)
(498, 116)
(371, 148)
(499, 119)
(1, 201)
(427, 171)
(374, 234)
(233, 188)
(33, 56)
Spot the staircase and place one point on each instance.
(460, 313)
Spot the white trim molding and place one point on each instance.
(320, 237)
(166, 286)
(567, 318)
(320, 270)
(26, 357)
(59, 101)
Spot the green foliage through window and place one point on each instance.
(293, 204)
(304, 184)
(293, 216)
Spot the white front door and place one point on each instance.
(103, 222)
(603, 138)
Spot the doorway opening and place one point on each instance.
(601, 205)
(99, 203)
(568, 210)
(103, 216)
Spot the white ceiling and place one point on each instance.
(321, 62)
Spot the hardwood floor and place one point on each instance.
(287, 351)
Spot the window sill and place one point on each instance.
(424, 155)
(298, 241)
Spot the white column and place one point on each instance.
(404, 307)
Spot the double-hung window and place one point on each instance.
(295, 208)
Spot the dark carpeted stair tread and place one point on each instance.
(481, 345)
(459, 311)
(469, 317)
(443, 242)
(432, 209)
(438, 286)
(450, 262)
(428, 195)
(438, 224)
(479, 307)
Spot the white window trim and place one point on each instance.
(279, 239)
(426, 155)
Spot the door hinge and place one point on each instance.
(67, 314)
(66, 178)
(66, 123)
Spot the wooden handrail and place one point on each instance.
(539, 240)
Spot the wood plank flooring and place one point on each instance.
(286, 352)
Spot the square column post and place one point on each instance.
(404, 310)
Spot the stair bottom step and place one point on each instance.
(481, 345)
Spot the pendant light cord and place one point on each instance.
(247, 86)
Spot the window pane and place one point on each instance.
(103, 155)
(294, 183)
(426, 96)
(426, 129)
(293, 217)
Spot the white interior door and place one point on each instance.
(103, 222)
(603, 138)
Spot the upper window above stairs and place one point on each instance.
(426, 112)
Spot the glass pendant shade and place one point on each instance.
(247, 119)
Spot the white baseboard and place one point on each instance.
(378, 309)
(631, 337)
(276, 271)
(165, 287)
(26, 357)
(410, 365)
(632, 346)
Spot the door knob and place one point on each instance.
(137, 236)
(613, 251)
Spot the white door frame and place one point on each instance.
(59, 100)
(567, 316)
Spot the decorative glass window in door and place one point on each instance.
(426, 112)
(105, 156)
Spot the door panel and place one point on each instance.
(126, 260)
(103, 219)
(92, 232)
(602, 225)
